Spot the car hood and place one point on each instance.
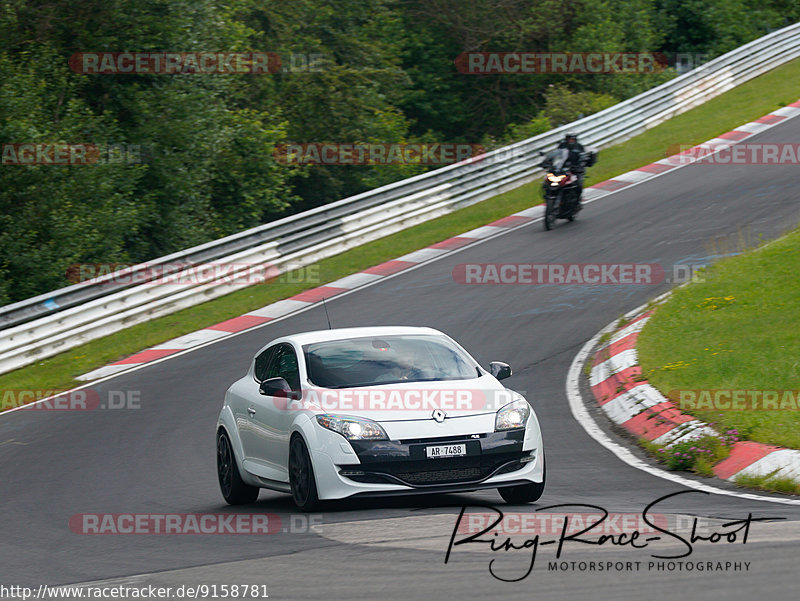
(412, 400)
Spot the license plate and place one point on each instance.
(447, 450)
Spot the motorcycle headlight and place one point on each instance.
(554, 179)
(512, 416)
(353, 428)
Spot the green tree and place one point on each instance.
(208, 170)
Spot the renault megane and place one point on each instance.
(375, 411)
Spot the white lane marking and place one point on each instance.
(281, 308)
(787, 111)
(630, 404)
(355, 280)
(430, 252)
(190, 339)
(581, 414)
(422, 255)
(101, 372)
(634, 176)
(612, 365)
(536, 212)
(590, 194)
(633, 328)
(785, 463)
(481, 232)
(753, 127)
(686, 431)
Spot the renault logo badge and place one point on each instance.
(438, 415)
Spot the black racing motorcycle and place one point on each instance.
(561, 185)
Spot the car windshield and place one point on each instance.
(372, 361)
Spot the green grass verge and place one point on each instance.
(735, 331)
(769, 482)
(740, 105)
(698, 455)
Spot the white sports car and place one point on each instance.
(375, 411)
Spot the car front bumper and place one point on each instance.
(379, 468)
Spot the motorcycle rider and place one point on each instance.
(576, 159)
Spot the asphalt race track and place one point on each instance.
(161, 458)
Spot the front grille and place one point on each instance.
(449, 470)
(442, 476)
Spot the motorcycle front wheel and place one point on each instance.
(550, 212)
(574, 211)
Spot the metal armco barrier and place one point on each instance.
(46, 325)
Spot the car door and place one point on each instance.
(271, 417)
(244, 401)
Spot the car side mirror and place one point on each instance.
(500, 370)
(277, 387)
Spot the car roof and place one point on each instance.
(304, 338)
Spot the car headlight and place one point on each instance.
(512, 416)
(353, 428)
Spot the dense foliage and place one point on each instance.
(354, 71)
